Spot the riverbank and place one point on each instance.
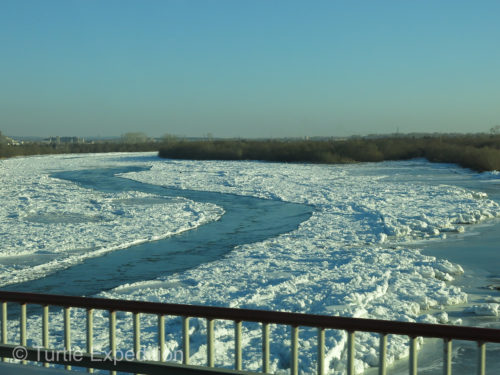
(476, 151)
(479, 152)
(44, 148)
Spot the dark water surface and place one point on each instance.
(246, 220)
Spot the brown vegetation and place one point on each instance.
(478, 152)
(39, 148)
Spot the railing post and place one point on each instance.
(67, 332)
(413, 356)
(321, 351)
(295, 351)
(4, 326)
(382, 365)
(137, 336)
(447, 352)
(185, 340)
(45, 326)
(90, 334)
(266, 354)
(45, 330)
(237, 346)
(210, 342)
(481, 358)
(112, 335)
(351, 338)
(22, 327)
(161, 337)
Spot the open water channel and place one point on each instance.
(246, 220)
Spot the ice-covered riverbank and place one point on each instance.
(348, 259)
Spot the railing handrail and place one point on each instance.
(261, 316)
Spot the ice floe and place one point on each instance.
(484, 309)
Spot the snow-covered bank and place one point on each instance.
(348, 259)
(48, 224)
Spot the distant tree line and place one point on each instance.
(480, 152)
(40, 148)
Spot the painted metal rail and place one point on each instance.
(135, 365)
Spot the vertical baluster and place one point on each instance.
(4, 326)
(137, 336)
(237, 346)
(210, 342)
(23, 327)
(447, 351)
(382, 365)
(185, 340)
(266, 353)
(90, 335)
(112, 335)
(321, 351)
(161, 337)
(413, 356)
(67, 332)
(350, 352)
(23, 324)
(45, 330)
(481, 358)
(45, 327)
(295, 351)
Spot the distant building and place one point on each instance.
(4, 140)
(13, 142)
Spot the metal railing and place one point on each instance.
(322, 322)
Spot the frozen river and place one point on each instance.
(386, 240)
(478, 251)
(245, 220)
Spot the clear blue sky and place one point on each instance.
(248, 68)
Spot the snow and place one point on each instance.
(348, 259)
(485, 309)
